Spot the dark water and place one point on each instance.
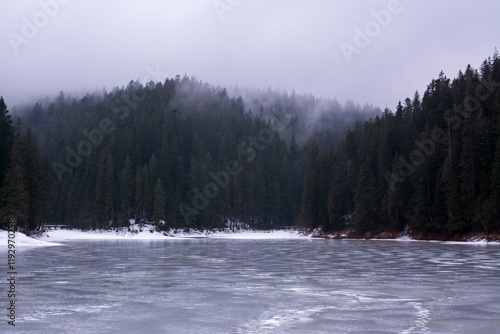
(257, 286)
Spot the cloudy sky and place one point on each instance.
(375, 52)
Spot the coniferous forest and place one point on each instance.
(433, 165)
(183, 153)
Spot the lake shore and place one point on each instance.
(408, 235)
(148, 232)
(53, 237)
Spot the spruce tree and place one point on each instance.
(48, 189)
(6, 136)
(451, 175)
(139, 202)
(14, 197)
(397, 199)
(126, 186)
(365, 205)
(147, 194)
(109, 196)
(308, 205)
(33, 178)
(159, 203)
(100, 191)
(493, 203)
(73, 203)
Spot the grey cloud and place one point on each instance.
(88, 45)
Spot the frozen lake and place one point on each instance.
(257, 286)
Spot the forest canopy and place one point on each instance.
(183, 153)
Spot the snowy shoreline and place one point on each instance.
(409, 236)
(148, 233)
(21, 239)
(54, 237)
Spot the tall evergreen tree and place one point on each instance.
(100, 191)
(33, 179)
(308, 204)
(493, 203)
(365, 207)
(159, 203)
(109, 196)
(6, 136)
(14, 197)
(139, 202)
(126, 185)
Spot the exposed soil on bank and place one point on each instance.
(350, 233)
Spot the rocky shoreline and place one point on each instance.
(350, 233)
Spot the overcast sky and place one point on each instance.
(329, 48)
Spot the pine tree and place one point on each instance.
(109, 196)
(147, 194)
(338, 197)
(493, 203)
(73, 202)
(143, 196)
(418, 115)
(126, 192)
(365, 206)
(397, 200)
(14, 197)
(139, 202)
(159, 203)
(100, 191)
(154, 171)
(421, 200)
(469, 179)
(451, 175)
(6, 137)
(322, 181)
(33, 178)
(48, 189)
(308, 205)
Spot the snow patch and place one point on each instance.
(148, 232)
(245, 234)
(23, 240)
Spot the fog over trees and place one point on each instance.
(432, 165)
(184, 153)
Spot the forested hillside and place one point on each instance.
(181, 151)
(432, 165)
(187, 154)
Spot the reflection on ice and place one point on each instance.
(422, 318)
(283, 320)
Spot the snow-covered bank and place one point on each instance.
(147, 232)
(23, 240)
(247, 234)
(139, 234)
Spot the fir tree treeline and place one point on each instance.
(26, 180)
(186, 153)
(432, 165)
(163, 151)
